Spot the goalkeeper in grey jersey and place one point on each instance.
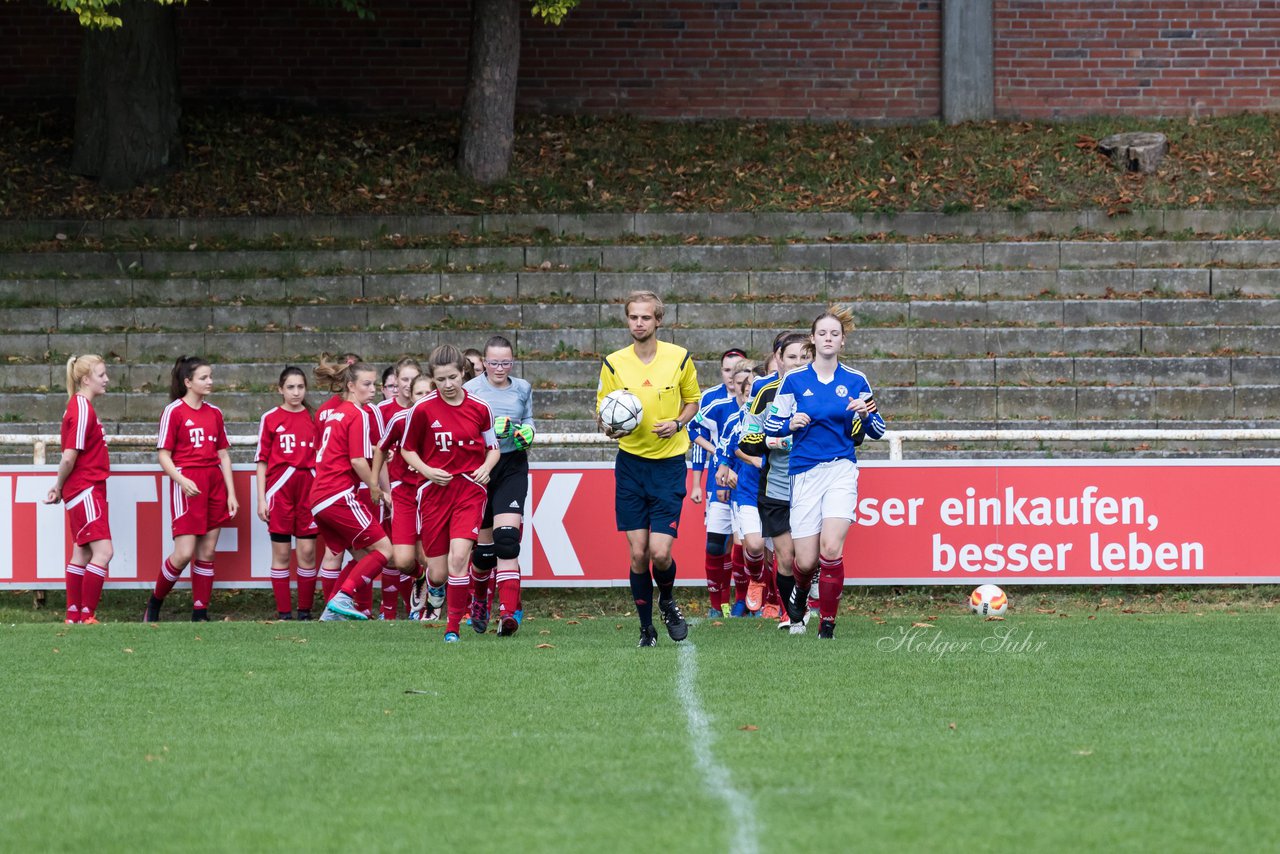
(495, 559)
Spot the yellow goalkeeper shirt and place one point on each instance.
(663, 385)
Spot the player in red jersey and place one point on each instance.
(450, 442)
(286, 458)
(407, 558)
(404, 372)
(342, 464)
(333, 375)
(192, 446)
(82, 478)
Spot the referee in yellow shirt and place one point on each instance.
(649, 470)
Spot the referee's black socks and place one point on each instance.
(666, 581)
(642, 593)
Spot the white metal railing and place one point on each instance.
(896, 438)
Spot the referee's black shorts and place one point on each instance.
(650, 493)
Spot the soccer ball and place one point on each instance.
(988, 601)
(621, 411)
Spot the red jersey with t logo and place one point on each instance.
(453, 438)
(82, 430)
(193, 436)
(286, 440)
(344, 436)
(398, 470)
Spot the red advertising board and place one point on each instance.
(1008, 522)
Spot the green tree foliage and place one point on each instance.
(552, 11)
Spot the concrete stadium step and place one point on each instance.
(525, 286)
(799, 255)
(771, 314)
(586, 342)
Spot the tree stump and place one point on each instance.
(1135, 152)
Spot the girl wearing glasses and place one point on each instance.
(498, 546)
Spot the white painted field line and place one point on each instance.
(742, 812)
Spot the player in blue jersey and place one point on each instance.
(827, 409)
(710, 423)
(703, 445)
(742, 474)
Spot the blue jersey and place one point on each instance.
(712, 395)
(834, 431)
(712, 421)
(745, 493)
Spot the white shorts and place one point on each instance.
(746, 519)
(827, 491)
(719, 518)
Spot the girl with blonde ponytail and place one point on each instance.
(82, 480)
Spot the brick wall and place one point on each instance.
(1150, 57)
(870, 60)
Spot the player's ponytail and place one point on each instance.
(79, 367)
(333, 372)
(842, 314)
(184, 368)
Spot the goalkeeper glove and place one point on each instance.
(522, 437)
(502, 426)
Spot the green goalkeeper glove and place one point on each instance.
(502, 426)
(522, 437)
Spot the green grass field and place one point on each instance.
(1112, 731)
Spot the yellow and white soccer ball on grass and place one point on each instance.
(621, 411)
(988, 601)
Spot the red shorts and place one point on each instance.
(346, 524)
(87, 513)
(404, 515)
(200, 514)
(378, 511)
(287, 504)
(450, 512)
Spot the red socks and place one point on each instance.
(164, 582)
(91, 590)
(202, 584)
(360, 575)
(390, 592)
(457, 601)
(754, 565)
(306, 587)
(280, 590)
(714, 569)
(75, 580)
(830, 586)
(739, 570)
(329, 581)
(480, 583)
(508, 581)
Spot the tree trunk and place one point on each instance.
(489, 113)
(128, 103)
